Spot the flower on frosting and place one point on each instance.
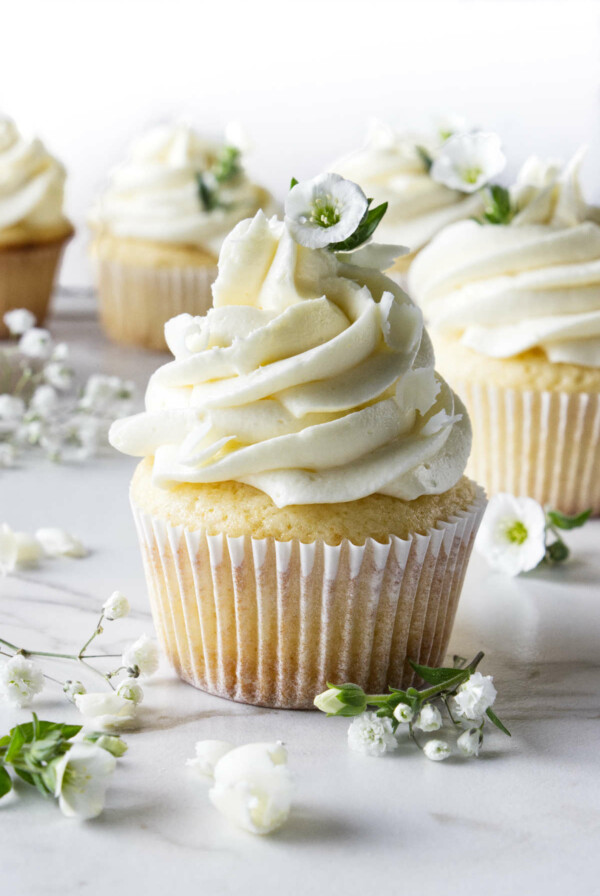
(142, 656)
(59, 543)
(36, 343)
(208, 753)
(130, 689)
(81, 780)
(512, 536)
(467, 162)
(106, 711)
(429, 719)
(436, 750)
(474, 697)
(324, 210)
(449, 123)
(371, 735)
(116, 607)
(18, 321)
(253, 787)
(469, 742)
(20, 680)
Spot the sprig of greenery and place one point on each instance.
(556, 549)
(365, 230)
(226, 167)
(425, 157)
(497, 208)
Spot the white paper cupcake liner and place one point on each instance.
(271, 622)
(136, 302)
(542, 444)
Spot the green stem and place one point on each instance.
(97, 632)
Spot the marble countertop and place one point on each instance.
(524, 817)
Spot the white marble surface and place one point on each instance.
(524, 818)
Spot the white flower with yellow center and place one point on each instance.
(81, 778)
(467, 162)
(512, 536)
(324, 210)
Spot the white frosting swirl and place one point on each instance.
(311, 379)
(154, 194)
(31, 185)
(534, 283)
(389, 168)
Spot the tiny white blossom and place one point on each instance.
(59, 375)
(469, 742)
(9, 550)
(29, 550)
(73, 689)
(437, 750)
(8, 454)
(403, 713)
(131, 690)
(108, 396)
(116, 607)
(75, 439)
(60, 543)
(512, 535)
(20, 680)
(81, 780)
(44, 401)
(371, 735)
(107, 711)
(467, 162)
(143, 655)
(449, 123)
(30, 432)
(253, 787)
(429, 718)
(18, 321)
(208, 753)
(60, 352)
(324, 210)
(474, 696)
(12, 411)
(36, 343)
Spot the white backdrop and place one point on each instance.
(304, 76)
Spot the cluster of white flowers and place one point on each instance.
(40, 406)
(18, 549)
(252, 785)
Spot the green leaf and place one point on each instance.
(227, 165)
(4, 741)
(494, 718)
(363, 232)
(207, 196)
(293, 182)
(26, 776)
(563, 521)
(17, 740)
(69, 731)
(425, 157)
(498, 209)
(5, 782)
(439, 676)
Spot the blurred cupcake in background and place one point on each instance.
(33, 227)
(514, 309)
(159, 226)
(400, 168)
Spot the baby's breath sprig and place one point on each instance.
(464, 694)
(225, 169)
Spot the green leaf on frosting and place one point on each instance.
(498, 208)
(364, 231)
(425, 157)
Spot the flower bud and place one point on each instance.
(429, 719)
(129, 689)
(436, 750)
(112, 743)
(404, 713)
(342, 700)
(469, 742)
(72, 689)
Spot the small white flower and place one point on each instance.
(253, 787)
(131, 690)
(18, 321)
(436, 750)
(469, 742)
(143, 655)
(81, 780)
(60, 352)
(403, 713)
(371, 735)
(44, 401)
(75, 439)
(208, 753)
(9, 550)
(29, 550)
(36, 343)
(59, 375)
(30, 432)
(116, 607)
(20, 680)
(474, 696)
(512, 535)
(449, 123)
(107, 711)
(59, 543)
(73, 689)
(8, 454)
(429, 718)
(107, 396)
(12, 411)
(467, 162)
(324, 210)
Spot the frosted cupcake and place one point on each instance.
(33, 228)
(159, 227)
(515, 317)
(301, 505)
(399, 168)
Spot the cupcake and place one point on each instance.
(514, 310)
(33, 228)
(396, 167)
(159, 227)
(301, 505)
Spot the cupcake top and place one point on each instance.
(31, 189)
(177, 187)
(312, 377)
(529, 281)
(398, 167)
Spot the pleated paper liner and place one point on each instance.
(26, 278)
(270, 622)
(136, 302)
(542, 444)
